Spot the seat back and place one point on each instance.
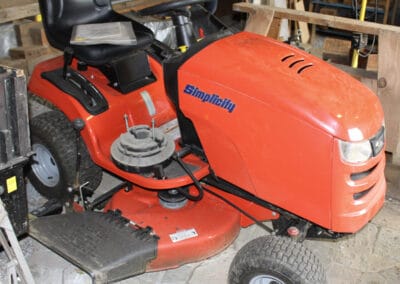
(60, 16)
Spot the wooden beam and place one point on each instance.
(386, 13)
(305, 33)
(10, 13)
(389, 89)
(317, 19)
(260, 22)
(18, 12)
(13, 3)
(130, 5)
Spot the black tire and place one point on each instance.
(277, 260)
(53, 165)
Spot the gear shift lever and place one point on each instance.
(68, 56)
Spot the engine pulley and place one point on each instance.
(142, 148)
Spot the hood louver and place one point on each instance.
(296, 62)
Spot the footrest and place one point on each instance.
(102, 244)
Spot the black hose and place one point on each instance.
(197, 184)
(201, 189)
(266, 228)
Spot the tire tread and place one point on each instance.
(280, 254)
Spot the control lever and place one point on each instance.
(68, 56)
(78, 124)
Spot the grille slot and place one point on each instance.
(361, 175)
(361, 194)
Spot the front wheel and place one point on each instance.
(275, 260)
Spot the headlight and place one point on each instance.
(355, 152)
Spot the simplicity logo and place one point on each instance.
(208, 98)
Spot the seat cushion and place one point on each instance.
(103, 53)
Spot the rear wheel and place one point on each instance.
(275, 260)
(53, 166)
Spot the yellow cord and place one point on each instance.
(354, 61)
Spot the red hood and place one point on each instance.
(320, 94)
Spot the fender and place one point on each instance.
(109, 125)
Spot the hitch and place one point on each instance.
(299, 232)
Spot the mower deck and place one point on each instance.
(119, 244)
(194, 232)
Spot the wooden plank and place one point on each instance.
(16, 11)
(305, 33)
(371, 84)
(337, 46)
(318, 19)
(38, 36)
(389, 89)
(274, 28)
(15, 63)
(336, 50)
(126, 6)
(328, 11)
(259, 22)
(386, 13)
(394, 12)
(13, 3)
(24, 31)
(28, 52)
(372, 62)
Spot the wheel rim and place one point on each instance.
(265, 279)
(44, 166)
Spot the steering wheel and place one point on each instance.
(164, 8)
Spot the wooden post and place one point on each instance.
(389, 89)
(303, 26)
(386, 13)
(259, 21)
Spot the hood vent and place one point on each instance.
(296, 63)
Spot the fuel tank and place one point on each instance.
(268, 116)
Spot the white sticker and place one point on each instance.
(183, 235)
(171, 128)
(149, 102)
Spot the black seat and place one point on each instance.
(60, 16)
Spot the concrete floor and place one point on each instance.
(370, 256)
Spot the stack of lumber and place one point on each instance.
(33, 47)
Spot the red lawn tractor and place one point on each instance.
(217, 131)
